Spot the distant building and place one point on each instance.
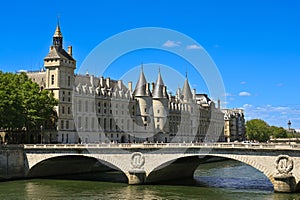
(97, 109)
(234, 125)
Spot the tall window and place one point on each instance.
(52, 79)
(79, 122)
(86, 106)
(104, 123)
(62, 124)
(79, 105)
(69, 80)
(67, 124)
(86, 123)
(69, 110)
(110, 124)
(63, 110)
(93, 123)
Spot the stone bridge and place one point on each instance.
(153, 162)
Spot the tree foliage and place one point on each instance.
(22, 103)
(278, 132)
(259, 130)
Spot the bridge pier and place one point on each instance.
(136, 177)
(285, 184)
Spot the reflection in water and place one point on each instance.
(226, 180)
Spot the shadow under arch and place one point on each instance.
(184, 169)
(77, 167)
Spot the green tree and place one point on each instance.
(257, 129)
(278, 132)
(23, 104)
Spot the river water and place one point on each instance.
(219, 180)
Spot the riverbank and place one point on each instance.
(12, 162)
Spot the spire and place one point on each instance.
(186, 73)
(158, 91)
(57, 37)
(57, 32)
(140, 88)
(186, 91)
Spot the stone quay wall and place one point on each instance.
(12, 162)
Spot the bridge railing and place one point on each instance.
(163, 145)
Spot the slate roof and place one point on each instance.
(158, 91)
(140, 88)
(57, 53)
(186, 91)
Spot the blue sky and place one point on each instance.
(255, 44)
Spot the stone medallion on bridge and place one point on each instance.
(137, 160)
(284, 165)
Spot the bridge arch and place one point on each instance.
(70, 165)
(185, 166)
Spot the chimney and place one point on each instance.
(147, 88)
(165, 94)
(130, 86)
(101, 81)
(108, 82)
(120, 84)
(219, 104)
(70, 50)
(153, 85)
(92, 80)
(194, 93)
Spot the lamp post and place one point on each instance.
(289, 124)
(41, 134)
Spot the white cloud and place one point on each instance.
(274, 115)
(228, 94)
(171, 43)
(244, 94)
(216, 46)
(243, 82)
(193, 46)
(245, 106)
(279, 84)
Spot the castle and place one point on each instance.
(97, 109)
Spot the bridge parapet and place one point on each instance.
(165, 145)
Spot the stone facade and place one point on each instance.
(234, 125)
(97, 109)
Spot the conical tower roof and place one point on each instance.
(158, 91)
(140, 88)
(186, 91)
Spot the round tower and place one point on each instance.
(160, 106)
(144, 112)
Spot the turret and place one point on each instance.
(187, 95)
(57, 38)
(160, 105)
(144, 110)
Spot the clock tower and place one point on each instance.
(60, 66)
